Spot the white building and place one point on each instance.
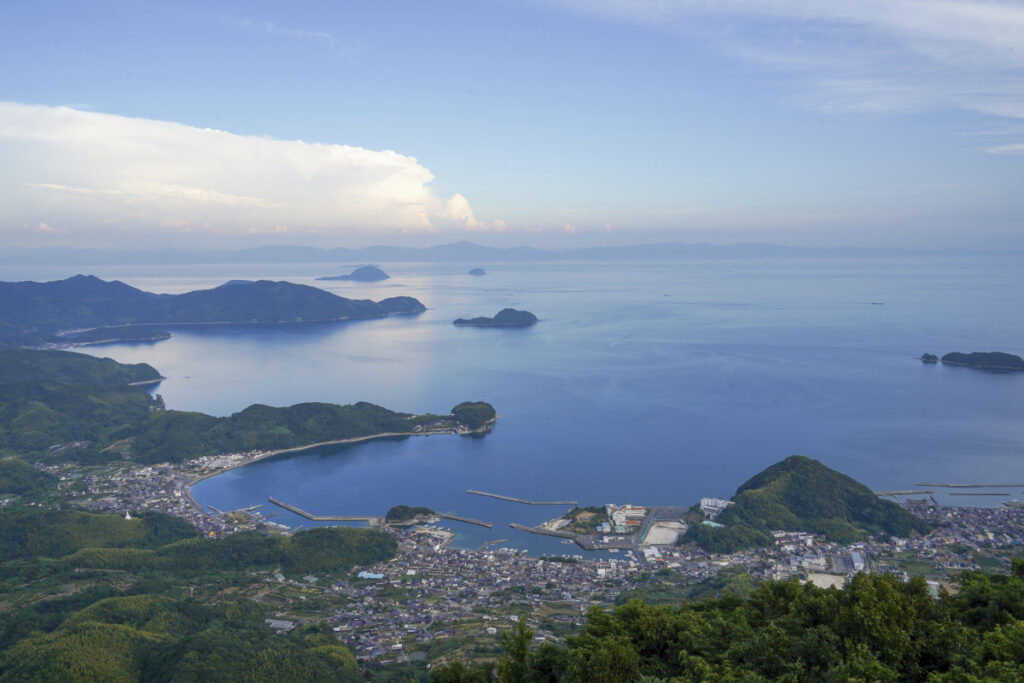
(712, 506)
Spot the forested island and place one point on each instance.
(477, 271)
(507, 317)
(991, 360)
(60, 405)
(360, 274)
(801, 494)
(33, 313)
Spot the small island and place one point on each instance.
(929, 358)
(360, 274)
(508, 317)
(991, 360)
(403, 515)
(478, 271)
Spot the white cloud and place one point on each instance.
(88, 168)
(866, 55)
(1017, 148)
(570, 229)
(44, 228)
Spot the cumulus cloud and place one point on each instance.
(85, 168)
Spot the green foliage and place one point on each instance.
(877, 628)
(403, 513)
(801, 494)
(65, 367)
(18, 477)
(474, 414)
(173, 436)
(32, 533)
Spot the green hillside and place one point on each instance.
(801, 494)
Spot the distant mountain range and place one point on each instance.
(456, 252)
(38, 312)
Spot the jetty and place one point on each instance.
(467, 520)
(522, 500)
(974, 486)
(372, 521)
(915, 492)
(490, 543)
(980, 493)
(543, 532)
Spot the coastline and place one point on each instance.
(186, 490)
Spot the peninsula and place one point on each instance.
(360, 274)
(508, 317)
(60, 312)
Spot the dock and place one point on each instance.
(522, 500)
(372, 521)
(915, 492)
(467, 520)
(543, 532)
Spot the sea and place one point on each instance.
(651, 383)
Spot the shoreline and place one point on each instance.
(186, 490)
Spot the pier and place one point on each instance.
(490, 543)
(372, 521)
(522, 500)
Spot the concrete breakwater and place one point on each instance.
(522, 500)
(369, 519)
(543, 532)
(372, 521)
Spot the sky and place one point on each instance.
(540, 122)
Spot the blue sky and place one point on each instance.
(553, 122)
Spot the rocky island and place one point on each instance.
(508, 317)
(360, 274)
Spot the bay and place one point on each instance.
(650, 383)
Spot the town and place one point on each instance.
(434, 598)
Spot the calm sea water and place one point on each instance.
(649, 383)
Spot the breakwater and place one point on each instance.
(522, 500)
(974, 486)
(914, 492)
(467, 520)
(543, 532)
(372, 521)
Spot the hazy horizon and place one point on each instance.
(548, 123)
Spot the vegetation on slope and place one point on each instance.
(474, 414)
(877, 628)
(20, 478)
(404, 513)
(801, 494)
(108, 421)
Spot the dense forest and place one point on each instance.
(97, 597)
(877, 628)
(801, 494)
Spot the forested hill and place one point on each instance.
(64, 367)
(35, 312)
(68, 406)
(801, 494)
